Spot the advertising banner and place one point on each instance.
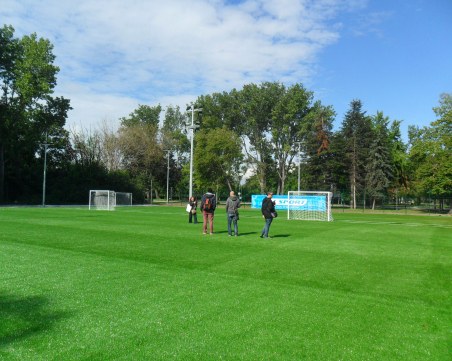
(302, 203)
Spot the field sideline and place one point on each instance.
(140, 283)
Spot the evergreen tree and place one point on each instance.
(378, 166)
(357, 133)
(317, 172)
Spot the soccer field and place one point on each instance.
(140, 283)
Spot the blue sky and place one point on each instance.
(395, 56)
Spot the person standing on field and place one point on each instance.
(232, 206)
(208, 205)
(192, 215)
(268, 212)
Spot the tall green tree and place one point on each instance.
(257, 104)
(378, 165)
(289, 126)
(357, 134)
(316, 148)
(174, 134)
(29, 114)
(431, 152)
(400, 161)
(218, 157)
(143, 156)
(143, 153)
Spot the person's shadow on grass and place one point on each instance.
(24, 317)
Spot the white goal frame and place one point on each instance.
(123, 199)
(309, 205)
(102, 200)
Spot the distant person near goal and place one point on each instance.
(208, 205)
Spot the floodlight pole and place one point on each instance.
(299, 162)
(192, 127)
(167, 177)
(46, 145)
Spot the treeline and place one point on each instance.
(263, 136)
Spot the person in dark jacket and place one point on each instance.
(208, 205)
(268, 207)
(232, 206)
(192, 215)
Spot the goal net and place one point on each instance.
(123, 199)
(102, 200)
(309, 205)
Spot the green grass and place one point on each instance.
(141, 283)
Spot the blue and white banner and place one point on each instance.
(301, 203)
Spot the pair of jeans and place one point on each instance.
(194, 216)
(207, 218)
(266, 229)
(232, 218)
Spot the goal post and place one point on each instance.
(102, 200)
(309, 205)
(123, 199)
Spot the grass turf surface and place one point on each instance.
(141, 283)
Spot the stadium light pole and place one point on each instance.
(299, 163)
(46, 146)
(193, 126)
(167, 177)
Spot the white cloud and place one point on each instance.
(116, 54)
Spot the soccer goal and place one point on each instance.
(123, 199)
(102, 200)
(309, 205)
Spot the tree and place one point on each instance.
(111, 154)
(257, 104)
(399, 157)
(378, 166)
(28, 112)
(174, 139)
(357, 133)
(87, 147)
(142, 149)
(288, 127)
(144, 114)
(174, 135)
(431, 152)
(316, 146)
(143, 156)
(218, 158)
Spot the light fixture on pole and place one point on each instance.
(193, 126)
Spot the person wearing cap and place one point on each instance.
(267, 209)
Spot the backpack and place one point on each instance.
(208, 204)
